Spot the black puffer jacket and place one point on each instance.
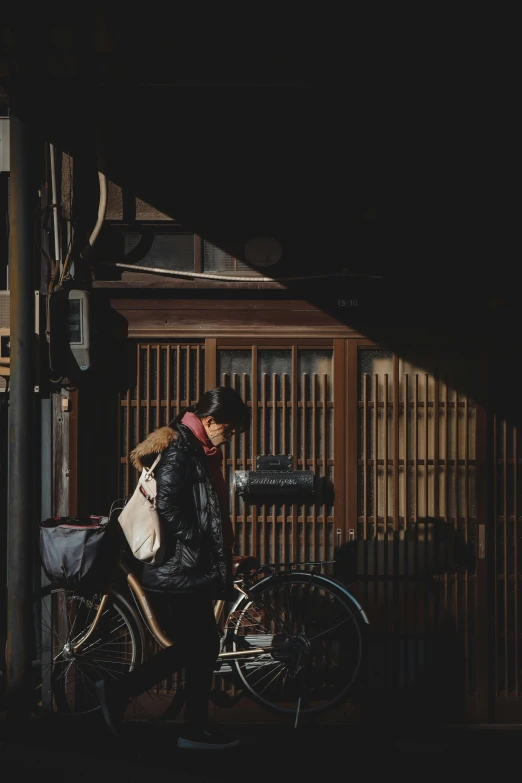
(188, 506)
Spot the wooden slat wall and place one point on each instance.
(409, 436)
(506, 572)
(416, 480)
(274, 534)
(169, 376)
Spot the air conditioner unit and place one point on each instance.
(5, 336)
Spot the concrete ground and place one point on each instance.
(81, 749)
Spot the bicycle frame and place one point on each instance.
(275, 612)
(152, 620)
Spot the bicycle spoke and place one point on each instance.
(97, 663)
(319, 638)
(68, 677)
(83, 633)
(84, 677)
(111, 659)
(265, 666)
(255, 667)
(330, 630)
(98, 643)
(303, 605)
(141, 706)
(276, 675)
(64, 673)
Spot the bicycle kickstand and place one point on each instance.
(297, 712)
(300, 698)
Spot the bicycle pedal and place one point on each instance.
(222, 668)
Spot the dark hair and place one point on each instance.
(224, 404)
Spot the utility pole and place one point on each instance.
(20, 537)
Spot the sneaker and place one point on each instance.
(206, 740)
(113, 704)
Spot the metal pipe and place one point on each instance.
(253, 651)
(21, 415)
(54, 196)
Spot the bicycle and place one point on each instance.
(292, 641)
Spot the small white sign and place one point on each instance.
(4, 144)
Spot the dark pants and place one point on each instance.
(188, 619)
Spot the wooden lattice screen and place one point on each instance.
(414, 513)
(507, 559)
(416, 517)
(169, 376)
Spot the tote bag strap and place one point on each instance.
(150, 470)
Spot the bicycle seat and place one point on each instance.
(242, 564)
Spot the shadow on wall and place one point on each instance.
(4, 439)
(416, 670)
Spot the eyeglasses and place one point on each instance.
(228, 429)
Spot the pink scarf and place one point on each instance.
(214, 459)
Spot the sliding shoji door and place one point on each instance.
(290, 390)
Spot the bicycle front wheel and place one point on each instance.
(313, 631)
(71, 654)
(73, 651)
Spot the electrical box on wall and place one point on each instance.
(79, 327)
(69, 331)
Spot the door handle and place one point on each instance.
(481, 542)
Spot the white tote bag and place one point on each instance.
(140, 521)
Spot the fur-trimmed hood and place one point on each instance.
(157, 441)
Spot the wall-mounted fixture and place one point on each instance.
(69, 331)
(275, 481)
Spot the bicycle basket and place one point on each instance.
(76, 552)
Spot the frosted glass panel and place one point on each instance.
(270, 363)
(230, 362)
(320, 363)
(372, 363)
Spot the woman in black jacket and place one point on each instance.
(192, 500)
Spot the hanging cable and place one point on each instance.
(102, 209)
(207, 276)
(102, 203)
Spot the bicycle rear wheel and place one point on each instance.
(315, 631)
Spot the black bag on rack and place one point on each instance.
(77, 552)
